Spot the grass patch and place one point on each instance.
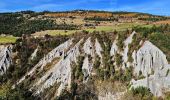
(119, 27)
(7, 39)
(107, 28)
(55, 32)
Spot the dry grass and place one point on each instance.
(54, 32)
(129, 15)
(163, 22)
(76, 21)
(51, 64)
(82, 14)
(109, 86)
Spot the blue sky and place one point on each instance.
(159, 7)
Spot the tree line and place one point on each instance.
(100, 19)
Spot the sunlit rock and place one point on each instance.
(57, 52)
(149, 58)
(61, 72)
(98, 48)
(86, 68)
(152, 63)
(114, 48)
(126, 49)
(88, 47)
(5, 58)
(34, 54)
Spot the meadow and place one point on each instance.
(7, 39)
(106, 28)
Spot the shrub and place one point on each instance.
(162, 42)
(100, 73)
(120, 40)
(167, 96)
(143, 91)
(118, 59)
(97, 62)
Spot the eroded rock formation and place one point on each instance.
(151, 62)
(5, 58)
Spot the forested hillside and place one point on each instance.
(17, 24)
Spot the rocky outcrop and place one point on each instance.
(98, 48)
(149, 59)
(34, 54)
(88, 47)
(114, 48)
(5, 58)
(57, 52)
(126, 50)
(124, 53)
(86, 68)
(151, 62)
(61, 72)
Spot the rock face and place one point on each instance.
(86, 68)
(126, 50)
(61, 72)
(5, 58)
(34, 54)
(124, 53)
(57, 52)
(114, 48)
(98, 48)
(89, 50)
(150, 60)
(88, 47)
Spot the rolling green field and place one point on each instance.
(7, 39)
(120, 27)
(111, 28)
